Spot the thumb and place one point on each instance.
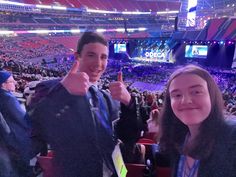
(75, 67)
(120, 76)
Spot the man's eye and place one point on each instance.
(104, 58)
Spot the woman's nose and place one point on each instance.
(186, 99)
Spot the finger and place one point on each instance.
(84, 75)
(120, 76)
(75, 67)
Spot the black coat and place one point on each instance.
(222, 161)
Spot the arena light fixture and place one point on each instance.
(120, 30)
(135, 13)
(75, 30)
(59, 8)
(131, 29)
(168, 12)
(39, 31)
(142, 29)
(43, 6)
(58, 31)
(100, 11)
(6, 32)
(12, 3)
(101, 30)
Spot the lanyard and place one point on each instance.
(193, 169)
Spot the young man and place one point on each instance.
(79, 132)
(14, 131)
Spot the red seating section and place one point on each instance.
(135, 170)
(230, 29)
(214, 27)
(119, 5)
(146, 141)
(163, 172)
(46, 164)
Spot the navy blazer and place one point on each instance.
(15, 132)
(222, 161)
(65, 122)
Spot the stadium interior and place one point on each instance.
(148, 39)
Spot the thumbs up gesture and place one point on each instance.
(76, 83)
(118, 90)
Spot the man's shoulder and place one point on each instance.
(6, 95)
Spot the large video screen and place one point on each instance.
(119, 48)
(196, 51)
(164, 55)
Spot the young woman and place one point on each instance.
(199, 142)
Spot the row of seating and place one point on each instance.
(134, 170)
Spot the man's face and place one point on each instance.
(93, 60)
(9, 85)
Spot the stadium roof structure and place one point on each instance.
(157, 17)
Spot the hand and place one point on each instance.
(118, 90)
(76, 83)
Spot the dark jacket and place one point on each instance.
(65, 122)
(222, 161)
(14, 133)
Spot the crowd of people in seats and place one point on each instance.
(156, 110)
(26, 48)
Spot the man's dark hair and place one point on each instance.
(90, 37)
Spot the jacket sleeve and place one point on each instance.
(130, 124)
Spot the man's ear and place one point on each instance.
(76, 55)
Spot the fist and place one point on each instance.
(119, 92)
(76, 83)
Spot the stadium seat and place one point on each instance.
(163, 172)
(151, 135)
(135, 170)
(46, 164)
(146, 141)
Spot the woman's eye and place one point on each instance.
(197, 92)
(177, 95)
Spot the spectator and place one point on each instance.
(16, 137)
(75, 118)
(194, 133)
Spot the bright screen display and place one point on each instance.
(196, 51)
(119, 48)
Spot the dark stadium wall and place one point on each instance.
(218, 56)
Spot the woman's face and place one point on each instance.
(190, 99)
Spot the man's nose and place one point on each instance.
(98, 61)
